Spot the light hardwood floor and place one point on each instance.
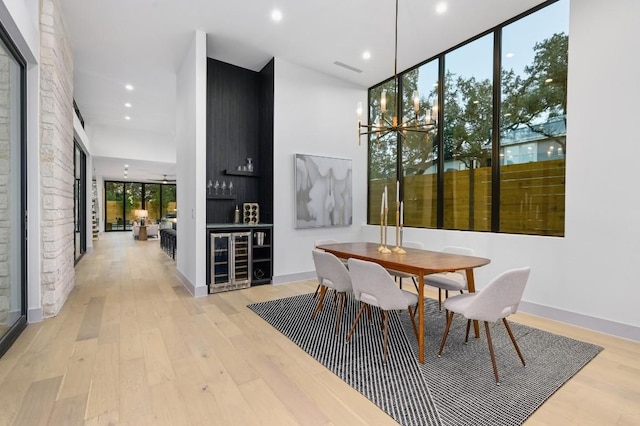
(132, 347)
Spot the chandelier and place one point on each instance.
(383, 125)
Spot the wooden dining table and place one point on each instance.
(416, 262)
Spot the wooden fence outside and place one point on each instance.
(532, 199)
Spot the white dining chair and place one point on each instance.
(399, 275)
(315, 245)
(334, 275)
(499, 299)
(450, 281)
(373, 286)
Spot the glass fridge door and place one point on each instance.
(242, 259)
(220, 260)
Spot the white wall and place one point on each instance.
(585, 278)
(314, 114)
(191, 163)
(137, 145)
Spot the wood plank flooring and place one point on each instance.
(132, 347)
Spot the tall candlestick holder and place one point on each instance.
(398, 248)
(383, 233)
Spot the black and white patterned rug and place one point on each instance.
(456, 389)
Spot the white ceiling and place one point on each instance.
(143, 42)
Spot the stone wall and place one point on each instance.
(56, 158)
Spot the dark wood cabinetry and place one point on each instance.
(238, 256)
(239, 126)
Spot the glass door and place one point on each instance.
(241, 259)
(13, 283)
(220, 261)
(80, 204)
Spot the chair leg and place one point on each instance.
(317, 290)
(385, 330)
(466, 337)
(412, 313)
(440, 299)
(355, 322)
(341, 298)
(446, 332)
(513, 340)
(400, 283)
(369, 313)
(415, 283)
(323, 291)
(493, 356)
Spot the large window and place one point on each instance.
(420, 150)
(496, 159)
(533, 122)
(13, 281)
(383, 149)
(122, 199)
(468, 113)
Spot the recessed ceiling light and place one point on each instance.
(128, 105)
(128, 87)
(126, 166)
(276, 15)
(366, 55)
(126, 117)
(441, 8)
(510, 55)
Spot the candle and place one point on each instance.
(397, 191)
(382, 204)
(383, 101)
(385, 197)
(401, 213)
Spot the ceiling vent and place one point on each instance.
(349, 67)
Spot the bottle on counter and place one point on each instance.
(236, 215)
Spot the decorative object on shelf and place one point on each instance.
(209, 185)
(250, 213)
(230, 188)
(258, 273)
(236, 215)
(249, 164)
(383, 125)
(260, 238)
(223, 187)
(216, 187)
(323, 191)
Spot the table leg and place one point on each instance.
(421, 317)
(472, 289)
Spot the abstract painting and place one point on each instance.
(323, 191)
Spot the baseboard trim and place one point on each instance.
(34, 315)
(303, 276)
(198, 291)
(613, 328)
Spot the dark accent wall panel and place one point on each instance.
(265, 186)
(239, 115)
